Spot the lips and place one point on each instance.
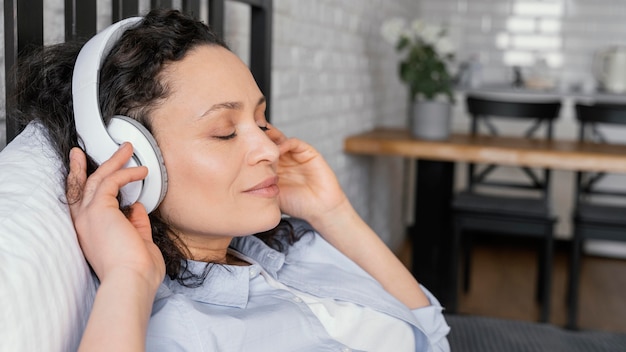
(267, 188)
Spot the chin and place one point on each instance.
(264, 222)
(273, 221)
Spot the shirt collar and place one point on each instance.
(228, 285)
(255, 249)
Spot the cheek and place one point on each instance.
(196, 180)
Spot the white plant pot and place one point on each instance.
(431, 120)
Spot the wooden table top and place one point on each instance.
(557, 154)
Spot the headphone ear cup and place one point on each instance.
(147, 153)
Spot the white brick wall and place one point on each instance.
(565, 32)
(333, 76)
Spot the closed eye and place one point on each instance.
(264, 128)
(225, 138)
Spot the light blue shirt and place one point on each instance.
(236, 310)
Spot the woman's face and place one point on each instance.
(220, 163)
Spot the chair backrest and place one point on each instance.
(600, 123)
(24, 31)
(527, 119)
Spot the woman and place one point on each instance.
(231, 175)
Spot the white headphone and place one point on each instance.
(101, 142)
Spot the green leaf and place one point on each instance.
(403, 42)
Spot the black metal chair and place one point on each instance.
(484, 205)
(600, 208)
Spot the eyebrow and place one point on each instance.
(230, 105)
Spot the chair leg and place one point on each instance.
(541, 270)
(454, 275)
(574, 282)
(467, 261)
(547, 276)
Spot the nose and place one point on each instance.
(261, 148)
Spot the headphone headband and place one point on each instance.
(85, 84)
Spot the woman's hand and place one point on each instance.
(308, 187)
(111, 241)
(120, 250)
(309, 190)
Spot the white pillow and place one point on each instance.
(46, 288)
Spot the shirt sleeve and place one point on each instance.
(433, 323)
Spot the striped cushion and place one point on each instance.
(46, 289)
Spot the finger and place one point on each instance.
(112, 175)
(138, 217)
(300, 150)
(107, 188)
(77, 177)
(276, 135)
(288, 145)
(117, 160)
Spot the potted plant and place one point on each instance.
(426, 53)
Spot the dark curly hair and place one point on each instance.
(131, 84)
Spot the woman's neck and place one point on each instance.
(212, 251)
(233, 259)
